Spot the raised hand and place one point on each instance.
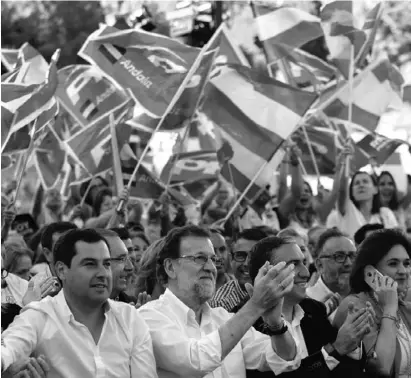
(142, 299)
(28, 368)
(332, 303)
(355, 327)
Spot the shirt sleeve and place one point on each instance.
(175, 352)
(20, 339)
(259, 354)
(331, 362)
(143, 363)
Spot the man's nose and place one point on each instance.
(128, 265)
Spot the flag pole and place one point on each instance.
(118, 175)
(350, 103)
(170, 106)
(310, 149)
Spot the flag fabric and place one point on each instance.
(370, 27)
(192, 166)
(254, 114)
(374, 91)
(318, 70)
(38, 66)
(341, 33)
(150, 66)
(86, 94)
(290, 26)
(9, 58)
(21, 103)
(91, 146)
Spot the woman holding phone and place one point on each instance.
(381, 276)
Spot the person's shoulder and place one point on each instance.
(313, 307)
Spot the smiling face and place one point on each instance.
(363, 188)
(190, 279)
(306, 196)
(88, 280)
(106, 205)
(386, 188)
(291, 254)
(240, 266)
(397, 265)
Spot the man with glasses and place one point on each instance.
(233, 295)
(191, 339)
(335, 256)
(121, 266)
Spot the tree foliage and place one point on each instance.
(48, 25)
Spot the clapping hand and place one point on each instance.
(28, 368)
(142, 299)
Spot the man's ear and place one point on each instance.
(61, 270)
(48, 254)
(318, 264)
(170, 269)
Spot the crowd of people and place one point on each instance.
(296, 286)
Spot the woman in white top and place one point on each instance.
(390, 197)
(360, 205)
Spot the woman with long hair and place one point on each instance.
(359, 204)
(390, 197)
(18, 260)
(388, 344)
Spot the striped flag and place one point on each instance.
(9, 58)
(86, 94)
(341, 33)
(150, 66)
(374, 91)
(22, 103)
(285, 26)
(91, 146)
(318, 70)
(192, 166)
(370, 27)
(255, 114)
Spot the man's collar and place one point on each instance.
(324, 288)
(64, 308)
(180, 308)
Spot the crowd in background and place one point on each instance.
(277, 289)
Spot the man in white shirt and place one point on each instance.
(335, 255)
(323, 347)
(80, 331)
(191, 339)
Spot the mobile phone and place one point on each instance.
(373, 277)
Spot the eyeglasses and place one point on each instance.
(340, 257)
(119, 260)
(201, 259)
(240, 256)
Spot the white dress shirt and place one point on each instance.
(321, 293)
(183, 348)
(296, 331)
(48, 327)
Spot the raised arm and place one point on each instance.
(342, 196)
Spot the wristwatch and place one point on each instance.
(331, 351)
(275, 331)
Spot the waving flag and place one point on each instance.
(286, 26)
(191, 166)
(9, 58)
(22, 103)
(86, 94)
(150, 65)
(91, 147)
(318, 70)
(255, 114)
(341, 33)
(375, 90)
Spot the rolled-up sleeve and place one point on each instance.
(259, 354)
(175, 352)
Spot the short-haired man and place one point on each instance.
(80, 331)
(49, 237)
(323, 346)
(223, 260)
(365, 231)
(121, 266)
(334, 258)
(191, 339)
(232, 295)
